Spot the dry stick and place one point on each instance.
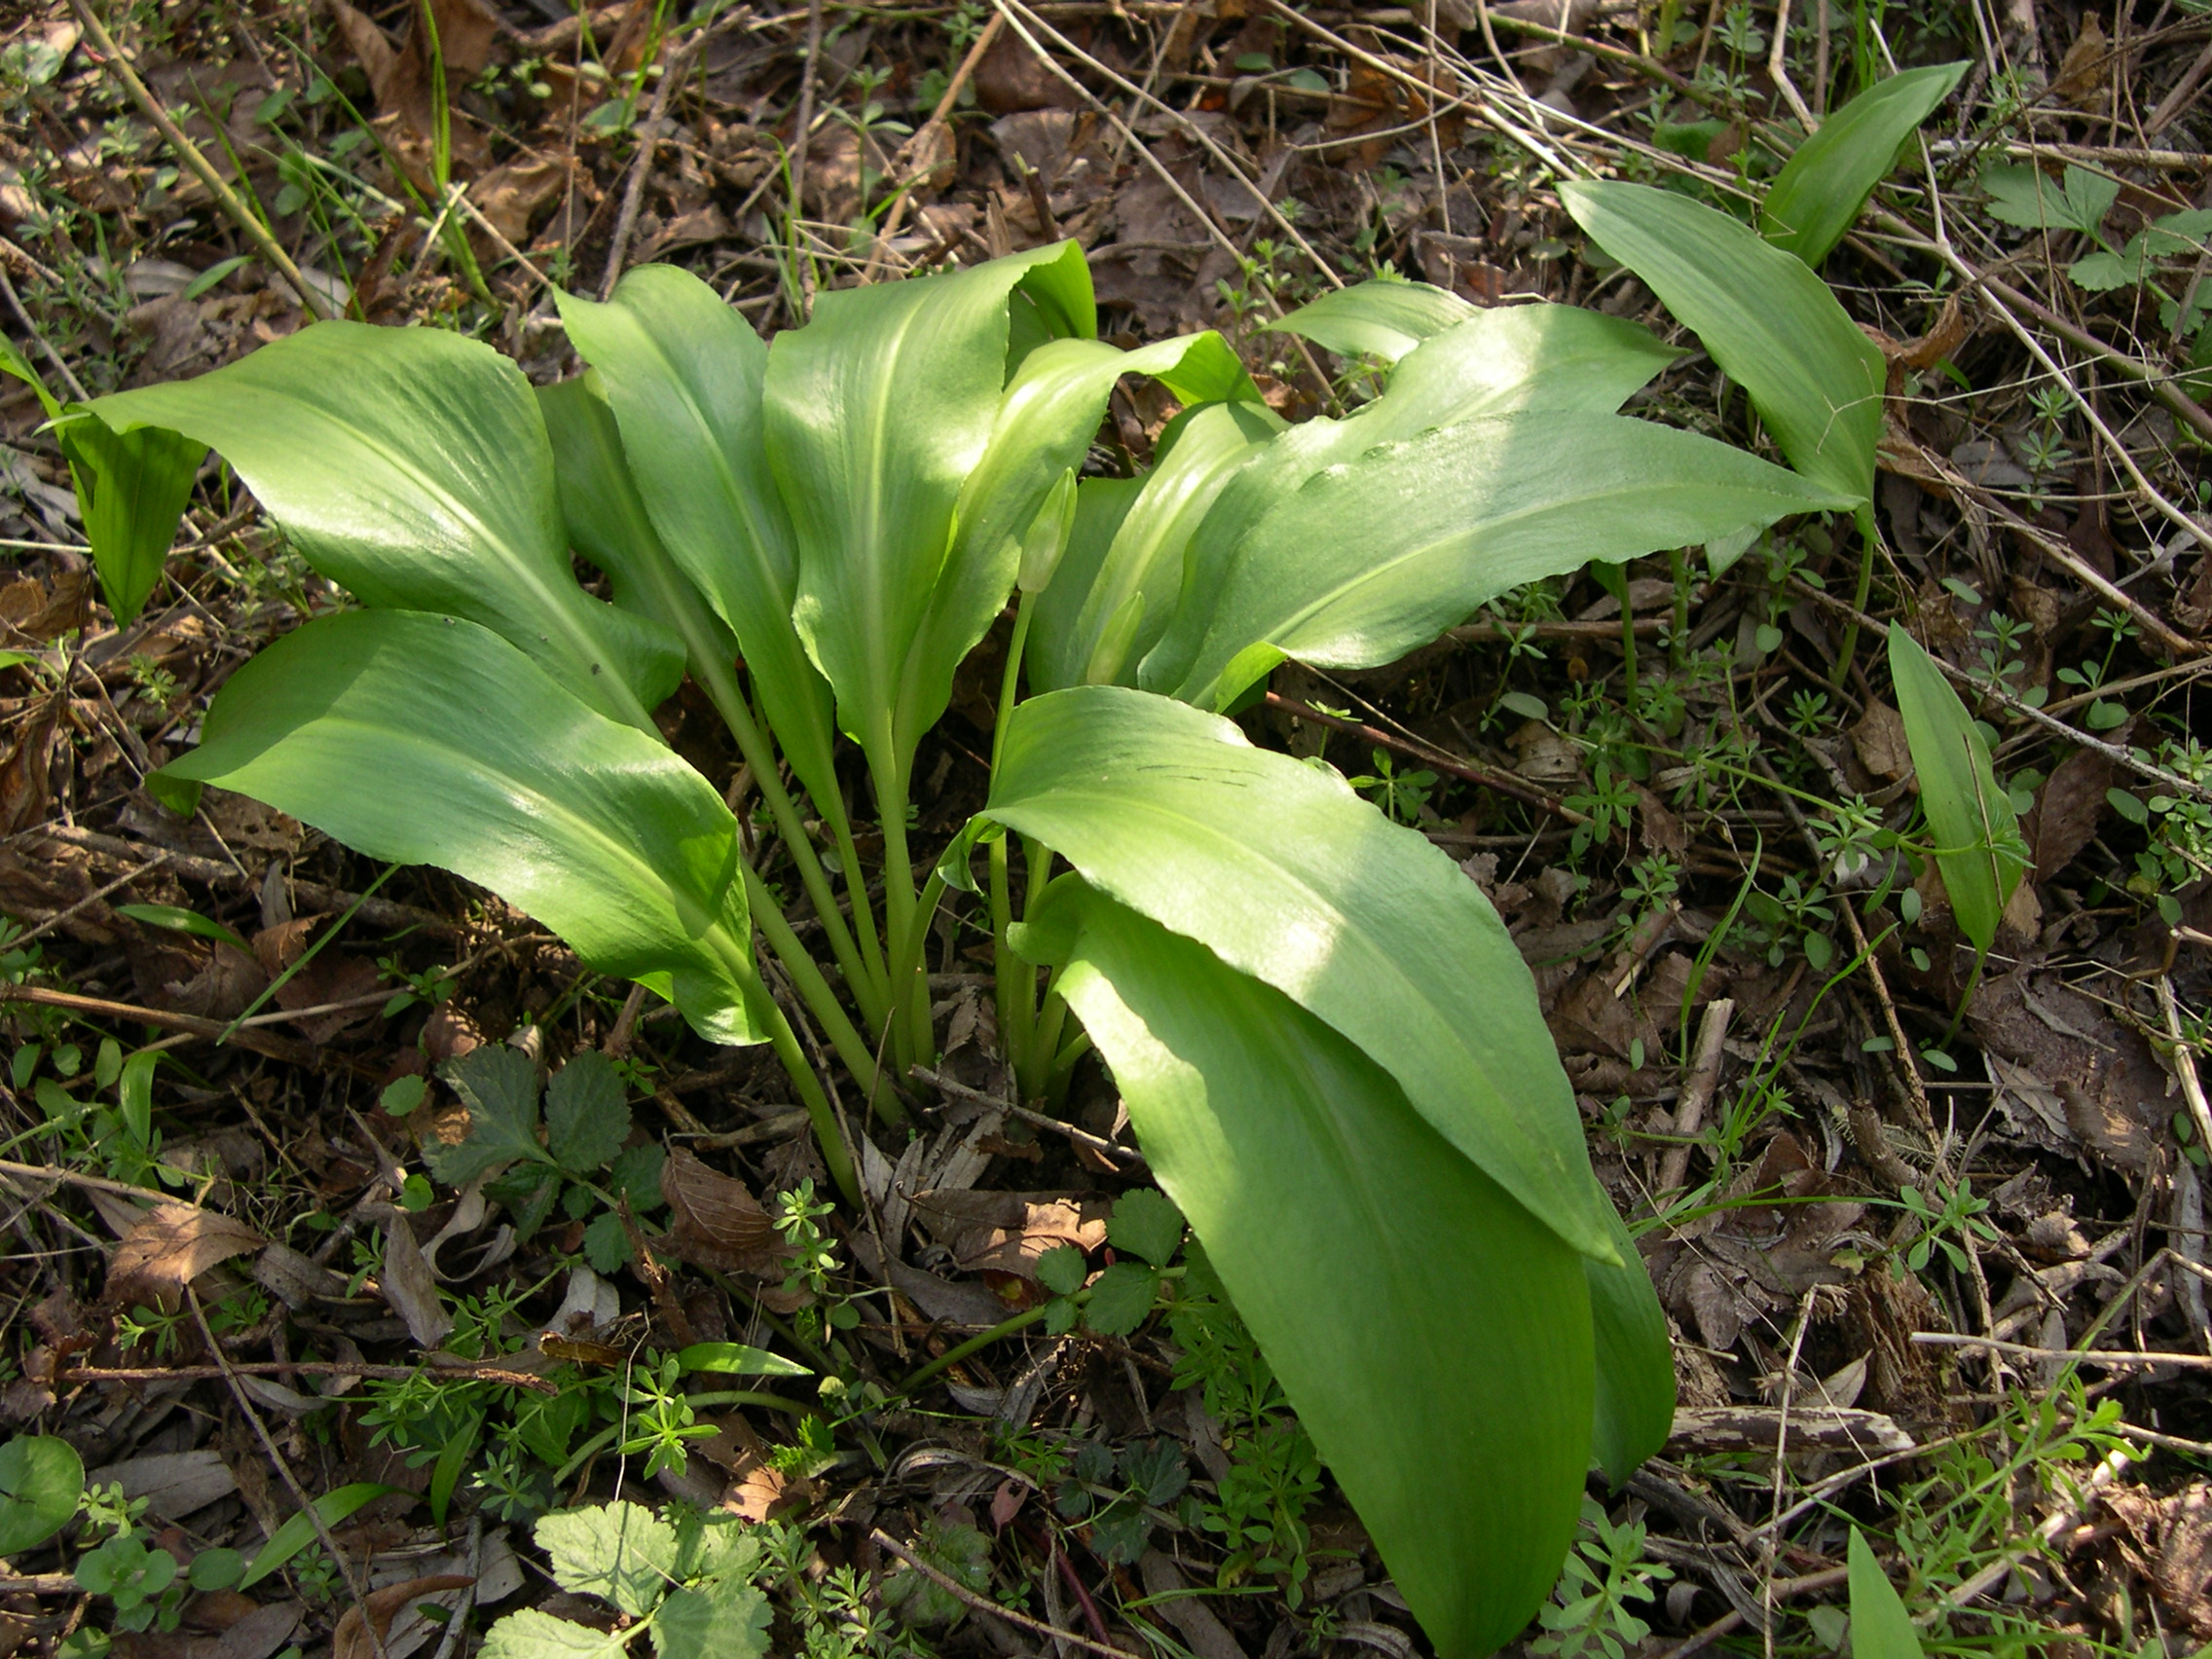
(289, 1050)
(1697, 1091)
(914, 153)
(1081, 1137)
(89, 900)
(1466, 772)
(672, 70)
(984, 1604)
(39, 1584)
(1780, 1590)
(1189, 129)
(2086, 1356)
(798, 154)
(355, 1581)
(188, 152)
(1779, 71)
(70, 1376)
(70, 1178)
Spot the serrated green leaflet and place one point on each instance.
(619, 1552)
(411, 465)
(726, 1619)
(589, 825)
(1286, 874)
(1978, 849)
(533, 1634)
(1820, 191)
(587, 1113)
(498, 1085)
(1145, 1224)
(1284, 1144)
(1767, 319)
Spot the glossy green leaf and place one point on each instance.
(1382, 320)
(1880, 1627)
(1370, 559)
(176, 919)
(1767, 320)
(608, 522)
(131, 491)
(684, 373)
(738, 1360)
(1074, 640)
(1978, 849)
(1821, 189)
(298, 1530)
(430, 740)
(1539, 356)
(1041, 432)
(1286, 874)
(41, 1480)
(1463, 1450)
(411, 465)
(876, 412)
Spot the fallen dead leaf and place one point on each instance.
(409, 1285)
(173, 1245)
(352, 1641)
(2067, 810)
(1879, 738)
(24, 795)
(2169, 1541)
(1007, 1231)
(715, 1221)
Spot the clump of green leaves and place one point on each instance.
(1145, 1225)
(1123, 1495)
(575, 1158)
(1589, 1617)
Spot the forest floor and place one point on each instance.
(1940, 1277)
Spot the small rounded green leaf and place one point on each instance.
(41, 1480)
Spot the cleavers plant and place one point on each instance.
(1330, 1048)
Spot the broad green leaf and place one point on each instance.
(533, 1634)
(608, 525)
(1075, 638)
(587, 1113)
(1057, 653)
(1821, 189)
(725, 1618)
(1767, 320)
(176, 919)
(298, 1530)
(14, 362)
(620, 1552)
(1978, 849)
(498, 1086)
(41, 1480)
(2028, 197)
(1880, 1627)
(1375, 319)
(1376, 557)
(1147, 1225)
(1044, 428)
(1636, 1360)
(876, 413)
(411, 465)
(1433, 1338)
(131, 490)
(683, 373)
(738, 1360)
(430, 740)
(1286, 874)
(1120, 1299)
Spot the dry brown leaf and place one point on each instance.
(715, 1221)
(1007, 1231)
(2082, 76)
(351, 1639)
(170, 1247)
(409, 1285)
(2067, 810)
(1879, 738)
(24, 795)
(43, 609)
(511, 193)
(2169, 1541)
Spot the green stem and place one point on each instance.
(856, 888)
(720, 683)
(814, 990)
(974, 1344)
(909, 1015)
(1864, 519)
(785, 1041)
(1016, 979)
(1043, 1059)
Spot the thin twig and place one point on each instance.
(247, 220)
(1697, 1092)
(984, 1605)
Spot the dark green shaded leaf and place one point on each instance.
(587, 1113)
(725, 1618)
(498, 1085)
(41, 1480)
(1120, 1298)
(1146, 1222)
